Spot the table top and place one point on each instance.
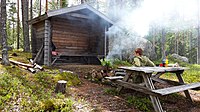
(153, 69)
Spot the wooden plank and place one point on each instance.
(154, 69)
(120, 73)
(175, 89)
(187, 94)
(38, 19)
(71, 26)
(70, 39)
(114, 77)
(166, 81)
(67, 32)
(136, 87)
(138, 69)
(47, 43)
(38, 55)
(125, 79)
(149, 84)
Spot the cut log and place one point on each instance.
(20, 63)
(61, 86)
(27, 68)
(31, 70)
(36, 66)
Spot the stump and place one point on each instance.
(61, 86)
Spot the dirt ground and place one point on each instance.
(94, 94)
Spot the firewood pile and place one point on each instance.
(33, 67)
(95, 75)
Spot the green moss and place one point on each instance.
(71, 78)
(111, 91)
(21, 56)
(141, 103)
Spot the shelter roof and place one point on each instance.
(84, 11)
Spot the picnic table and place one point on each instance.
(150, 76)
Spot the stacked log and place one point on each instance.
(30, 67)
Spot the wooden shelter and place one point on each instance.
(77, 34)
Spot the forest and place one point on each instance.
(168, 29)
(176, 32)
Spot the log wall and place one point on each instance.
(74, 36)
(38, 35)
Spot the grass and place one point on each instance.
(111, 91)
(190, 75)
(141, 103)
(24, 91)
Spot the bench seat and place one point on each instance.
(114, 77)
(175, 89)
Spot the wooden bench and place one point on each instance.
(119, 72)
(149, 78)
(176, 89)
(114, 77)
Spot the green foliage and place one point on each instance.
(190, 75)
(118, 62)
(21, 56)
(141, 103)
(56, 105)
(72, 79)
(106, 62)
(33, 92)
(111, 91)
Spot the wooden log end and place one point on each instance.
(61, 86)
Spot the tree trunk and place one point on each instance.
(163, 43)
(13, 30)
(40, 4)
(31, 17)
(177, 43)
(5, 60)
(25, 25)
(46, 5)
(61, 86)
(198, 38)
(0, 25)
(61, 4)
(190, 46)
(18, 25)
(82, 1)
(154, 44)
(198, 46)
(57, 4)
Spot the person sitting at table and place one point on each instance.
(141, 60)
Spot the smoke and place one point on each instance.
(133, 23)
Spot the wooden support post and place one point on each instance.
(39, 54)
(126, 78)
(187, 94)
(155, 101)
(47, 44)
(61, 86)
